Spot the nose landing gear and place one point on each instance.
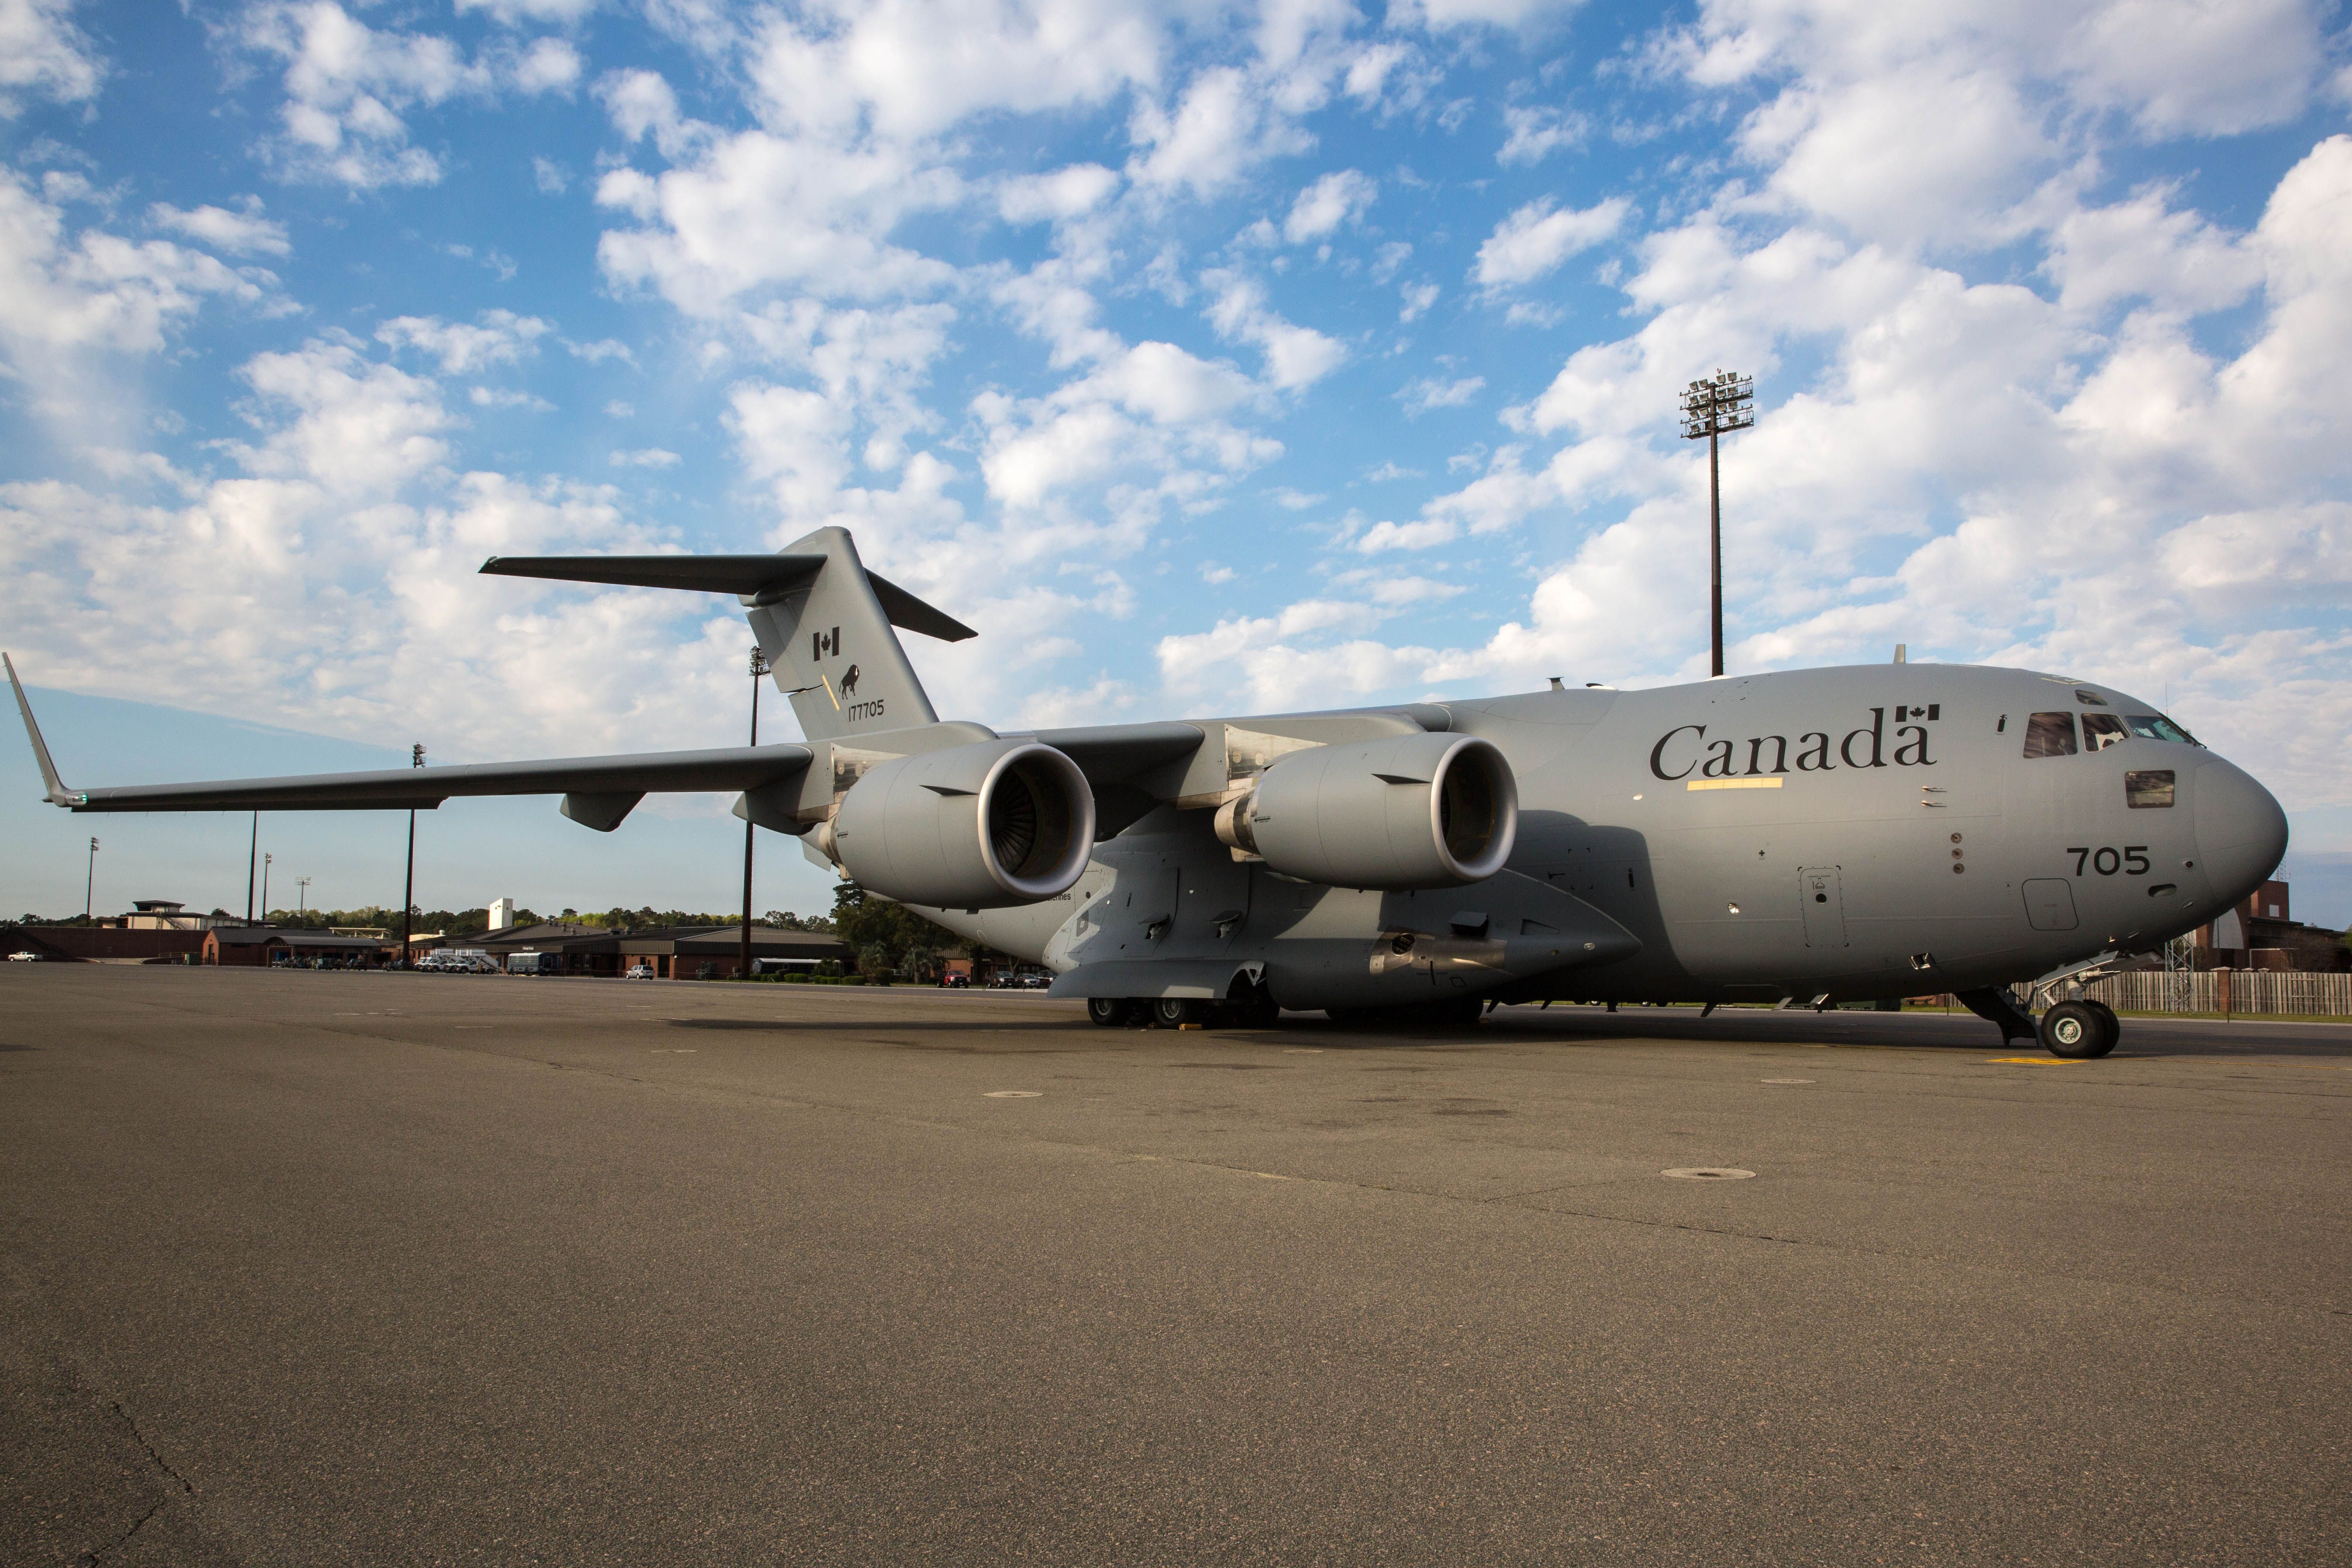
(2080, 1030)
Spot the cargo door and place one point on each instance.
(2050, 904)
(1825, 906)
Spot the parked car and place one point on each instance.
(24, 958)
(639, 971)
(956, 982)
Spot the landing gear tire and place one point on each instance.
(1108, 1012)
(2075, 1030)
(1175, 1012)
(2114, 1025)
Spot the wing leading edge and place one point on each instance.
(598, 784)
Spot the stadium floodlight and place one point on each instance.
(90, 885)
(408, 885)
(1714, 407)
(760, 667)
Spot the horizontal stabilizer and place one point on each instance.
(761, 578)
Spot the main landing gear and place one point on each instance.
(1254, 1011)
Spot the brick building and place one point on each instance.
(2261, 933)
(672, 953)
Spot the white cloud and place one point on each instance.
(346, 84)
(1438, 15)
(646, 457)
(757, 212)
(358, 428)
(95, 290)
(551, 177)
(43, 55)
(1222, 127)
(500, 338)
(550, 65)
(1344, 195)
(1420, 396)
(1537, 131)
(1534, 239)
(910, 69)
(1295, 356)
(1066, 192)
(2141, 248)
(495, 398)
(514, 13)
(2198, 67)
(240, 234)
(1421, 535)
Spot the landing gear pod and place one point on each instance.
(1399, 814)
(988, 825)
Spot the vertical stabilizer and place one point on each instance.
(828, 636)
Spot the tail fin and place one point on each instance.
(830, 640)
(823, 620)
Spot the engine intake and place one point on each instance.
(1395, 815)
(986, 825)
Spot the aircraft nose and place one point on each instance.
(2240, 831)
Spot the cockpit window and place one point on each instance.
(2050, 735)
(2156, 727)
(2101, 731)
(2089, 698)
(2144, 790)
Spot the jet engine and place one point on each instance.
(1396, 814)
(985, 826)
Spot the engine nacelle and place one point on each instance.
(1397, 813)
(986, 825)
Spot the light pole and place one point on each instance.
(265, 860)
(252, 858)
(760, 667)
(89, 883)
(301, 895)
(1713, 408)
(408, 886)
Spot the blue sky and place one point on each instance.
(1207, 358)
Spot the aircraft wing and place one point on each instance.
(628, 775)
(1111, 753)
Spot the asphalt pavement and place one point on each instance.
(351, 1269)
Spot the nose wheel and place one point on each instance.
(2080, 1030)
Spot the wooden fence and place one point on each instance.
(2233, 991)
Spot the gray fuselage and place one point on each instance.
(1863, 832)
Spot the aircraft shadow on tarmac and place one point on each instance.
(1581, 1025)
(1912, 1031)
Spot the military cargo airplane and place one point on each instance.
(1805, 838)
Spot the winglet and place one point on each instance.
(59, 794)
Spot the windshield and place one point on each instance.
(2050, 735)
(2101, 731)
(2156, 727)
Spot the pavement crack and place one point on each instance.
(91, 1558)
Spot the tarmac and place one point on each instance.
(353, 1269)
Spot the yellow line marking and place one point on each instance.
(2035, 1061)
(828, 692)
(1733, 783)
